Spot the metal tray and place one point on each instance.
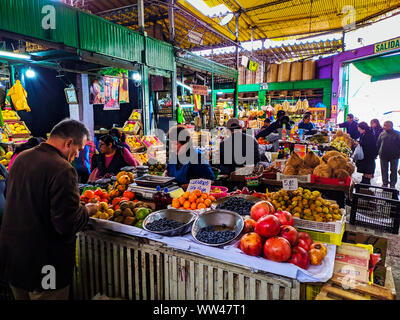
(244, 196)
(232, 220)
(184, 216)
(154, 181)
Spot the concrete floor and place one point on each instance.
(393, 251)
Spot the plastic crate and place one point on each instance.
(331, 181)
(332, 227)
(375, 208)
(325, 237)
(312, 290)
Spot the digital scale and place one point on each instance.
(146, 185)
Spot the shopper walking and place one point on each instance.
(351, 127)
(368, 145)
(42, 216)
(389, 152)
(376, 128)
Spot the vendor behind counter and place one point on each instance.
(238, 150)
(307, 125)
(185, 162)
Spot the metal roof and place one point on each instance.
(266, 19)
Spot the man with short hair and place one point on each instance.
(42, 216)
(274, 126)
(351, 127)
(389, 152)
(238, 150)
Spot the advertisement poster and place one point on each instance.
(96, 91)
(111, 93)
(123, 91)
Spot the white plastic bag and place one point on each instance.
(358, 153)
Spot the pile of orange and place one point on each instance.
(195, 200)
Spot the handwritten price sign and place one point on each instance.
(290, 184)
(203, 185)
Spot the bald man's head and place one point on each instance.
(388, 125)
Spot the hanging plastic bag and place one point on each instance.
(18, 97)
(358, 153)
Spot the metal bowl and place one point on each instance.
(232, 220)
(184, 216)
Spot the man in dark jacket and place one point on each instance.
(238, 150)
(351, 127)
(42, 216)
(281, 120)
(389, 152)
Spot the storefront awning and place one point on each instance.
(380, 68)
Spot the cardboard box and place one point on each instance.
(352, 261)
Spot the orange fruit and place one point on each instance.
(187, 205)
(199, 200)
(197, 192)
(192, 198)
(207, 202)
(175, 203)
(186, 195)
(204, 196)
(193, 206)
(212, 198)
(201, 206)
(181, 200)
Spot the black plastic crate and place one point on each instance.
(376, 208)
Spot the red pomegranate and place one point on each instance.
(300, 258)
(290, 234)
(285, 218)
(305, 241)
(261, 209)
(249, 225)
(251, 244)
(268, 226)
(277, 249)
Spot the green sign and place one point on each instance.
(387, 45)
(253, 66)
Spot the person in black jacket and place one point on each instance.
(351, 127)
(368, 145)
(376, 128)
(237, 150)
(282, 119)
(42, 215)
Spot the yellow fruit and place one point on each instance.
(9, 155)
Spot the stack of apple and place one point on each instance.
(272, 235)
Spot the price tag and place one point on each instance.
(290, 184)
(203, 185)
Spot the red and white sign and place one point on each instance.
(199, 89)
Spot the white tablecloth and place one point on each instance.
(231, 253)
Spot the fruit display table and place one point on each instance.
(129, 263)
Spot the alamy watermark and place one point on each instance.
(49, 20)
(49, 280)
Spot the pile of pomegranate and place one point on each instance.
(273, 235)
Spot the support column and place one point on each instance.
(236, 92)
(85, 113)
(145, 99)
(140, 5)
(211, 113)
(174, 92)
(171, 20)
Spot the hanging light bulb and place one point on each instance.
(136, 76)
(30, 73)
